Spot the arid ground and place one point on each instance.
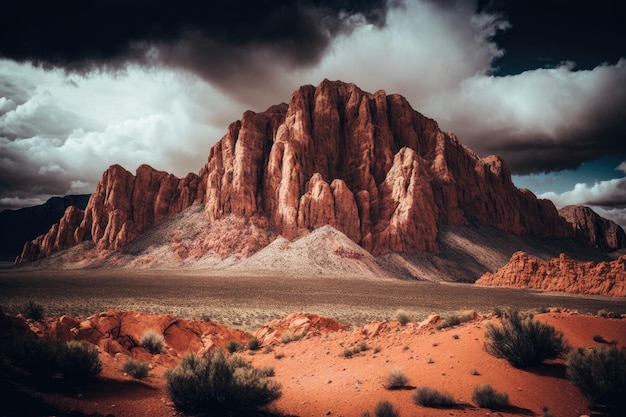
(318, 379)
(247, 302)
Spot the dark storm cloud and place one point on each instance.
(211, 38)
(546, 33)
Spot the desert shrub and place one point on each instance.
(152, 341)
(385, 409)
(136, 369)
(38, 357)
(33, 310)
(430, 397)
(268, 370)
(218, 384)
(78, 361)
(395, 379)
(524, 341)
(600, 373)
(254, 344)
(233, 346)
(486, 397)
(289, 337)
(455, 319)
(403, 317)
(348, 353)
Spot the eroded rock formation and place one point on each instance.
(560, 274)
(366, 164)
(590, 227)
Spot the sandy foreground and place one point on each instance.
(318, 380)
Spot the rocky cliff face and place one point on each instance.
(560, 274)
(367, 164)
(590, 227)
(122, 207)
(19, 226)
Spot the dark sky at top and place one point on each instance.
(549, 32)
(541, 83)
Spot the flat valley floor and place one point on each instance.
(248, 301)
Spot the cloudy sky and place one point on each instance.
(84, 85)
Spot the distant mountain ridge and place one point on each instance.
(22, 225)
(366, 164)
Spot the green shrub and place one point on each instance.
(38, 357)
(136, 369)
(254, 344)
(385, 409)
(79, 361)
(524, 341)
(219, 384)
(233, 346)
(600, 373)
(430, 397)
(395, 379)
(486, 397)
(33, 310)
(403, 317)
(152, 341)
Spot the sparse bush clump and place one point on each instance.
(268, 371)
(233, 346)
(289, 337)
(486, 397)
(348, 353)
(600, 373)
(152, 341)
(136, 369)
(395, 379)
(38, 357)
(385, 409)
(524, 341)
(33, 310)
(403, 317)
(430, 397)
(218, 384)
(254, 344)
(456, 319)
(79, 361)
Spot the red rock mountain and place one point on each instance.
(592, 228)
(366, 164)
(560, 274)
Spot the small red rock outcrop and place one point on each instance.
(298, 325)
(121, 332)
(560, 274)
(590, 227)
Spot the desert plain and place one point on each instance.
(317, 377)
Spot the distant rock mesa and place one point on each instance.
(366, 164)
(560, 274)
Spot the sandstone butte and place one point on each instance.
(561, 274)
(366, 164)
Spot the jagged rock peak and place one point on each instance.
(366, 164)
(122, 207)
(590, 227)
